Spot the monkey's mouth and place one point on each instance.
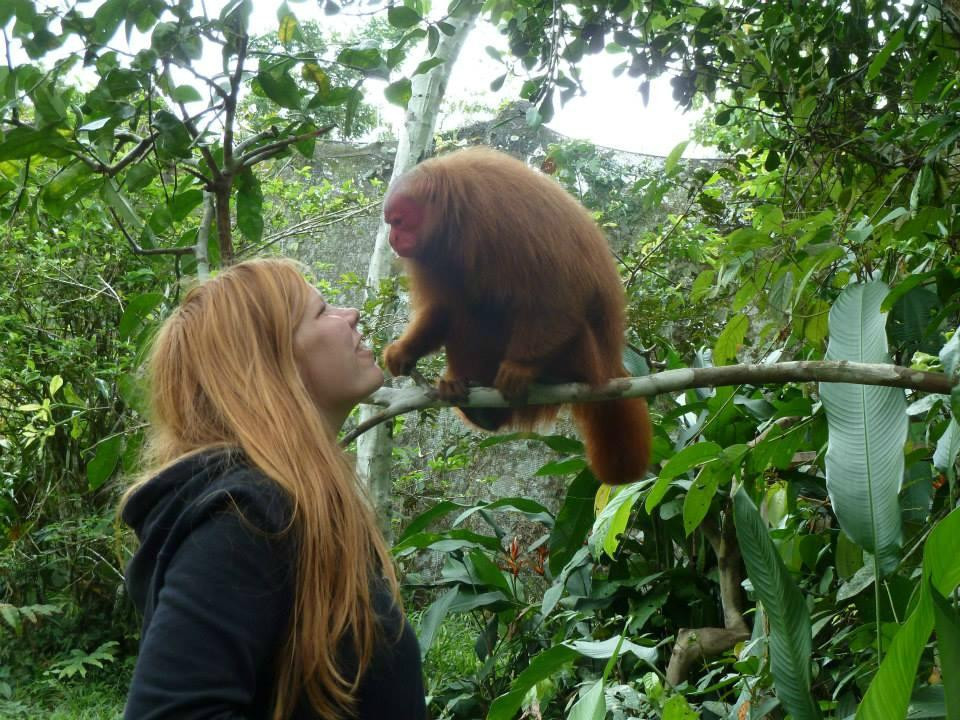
(403, 243)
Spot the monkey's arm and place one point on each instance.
(425, 334)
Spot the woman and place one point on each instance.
(266, 589)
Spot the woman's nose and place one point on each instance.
(351, 315)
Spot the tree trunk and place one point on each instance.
(416, 143)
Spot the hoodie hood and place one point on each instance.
(165, 509)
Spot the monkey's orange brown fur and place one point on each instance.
(513, 276)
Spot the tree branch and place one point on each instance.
(265, 151)
(397, 401)
(148, 251)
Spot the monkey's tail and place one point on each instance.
(618, 436)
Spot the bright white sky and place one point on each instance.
(611, 114)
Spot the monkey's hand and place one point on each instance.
(513, 379)
(398, 359)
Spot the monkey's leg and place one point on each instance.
(425, 334)
(534, 340)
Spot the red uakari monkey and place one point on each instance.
(514, 277)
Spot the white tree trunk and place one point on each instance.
(416, 143)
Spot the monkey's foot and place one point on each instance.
(513, 379)
(452, 389)
(398, 360)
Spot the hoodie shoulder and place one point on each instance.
(193, 489)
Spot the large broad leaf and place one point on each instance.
(888, 696)
(592, 705)
(867, 429)
(104, 462)
(545, 665)
(790, 636)
(574, 520)
(612, 521)
(432, 618)
(946, 620)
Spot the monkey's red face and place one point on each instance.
(407, 220)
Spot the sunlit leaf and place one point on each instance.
(399, 92)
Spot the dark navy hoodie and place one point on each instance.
(214, 578)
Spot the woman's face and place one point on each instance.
(335, 365)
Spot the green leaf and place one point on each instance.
(489, 574)
(185, 94)
(10, 615)
(288, 25)
(552, 596)
(360, 58)
(889, 693)
(104, 462)
(446, 541)
(174, 138)
(21, 143)
(790, 637)
(249, 206)
(530, 508)
(403, 17)
(680, 463)
(950, 357)
(139, 176)
(700, 495)
(926, 80)
(573, 521)
(849, 556)
(612, 520)
(867, 429)
(353, 103)
(730, 340)
(677, 708)
(183, 203)
(674, 157)
(773, 160)
(568, 466)
(948, 446)
(428, 65)
(902, 288)
(543, 666)
(56, 382)
(946, 622)
(66, 182)
(137, 310)
(399, 92)
(613, 647)
(592, 705)
(911, 319)
(882, 57)
(422, 520)
(281, 88)
(433, 617)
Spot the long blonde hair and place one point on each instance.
(222, 374)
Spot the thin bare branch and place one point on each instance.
(398, 401)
